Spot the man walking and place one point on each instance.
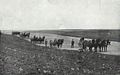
(72, 43)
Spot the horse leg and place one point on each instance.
(51, 45)
(90, 48)
(61, 45)
(58, 45)
(102, 48)
(99, 48)
(85, 48)
(105, 48)
(95, 49)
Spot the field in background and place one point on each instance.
(113, 35)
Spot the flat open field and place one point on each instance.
(20, 57)
(113, 49)
(113, 35)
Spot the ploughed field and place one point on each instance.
(68, 35)
(21, 57)
(113, 35)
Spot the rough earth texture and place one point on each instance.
(20, 57)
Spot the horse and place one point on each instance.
(56, 43)
(94, 43)
(87, 44)
(84, 44)
(42, 39)
(15, 33)
(108, 42)
(25, 35)
(98, 44)
(104, 45)
(51, 43)
(80, 44)
(60, 42)
(35, 39)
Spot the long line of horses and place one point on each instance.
(56, 43)
(27, 35)
(84, 45)
(22, 34)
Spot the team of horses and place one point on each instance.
(56, 43)
(94, 44)
(27, 35)
(22, 34)
(38, 39)
(84, 45)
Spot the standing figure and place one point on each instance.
(103, 47)
(94, 44)
(80, 44)
(50, 42)
(72, 43)
(46, 42)
(55, 42)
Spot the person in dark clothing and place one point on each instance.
(72, 43)
(50, 42)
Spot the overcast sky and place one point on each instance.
(59, 14)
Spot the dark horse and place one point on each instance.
(84, 44)
(101, 44)
(15, 33)
(25, 35)
(60, 42)
(104, 45)
(42, 39)
(56, 43)
(87, 44)
(95, 43)
(36, 39)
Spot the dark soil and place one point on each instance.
(20, 57)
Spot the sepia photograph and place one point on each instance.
(59, 37)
